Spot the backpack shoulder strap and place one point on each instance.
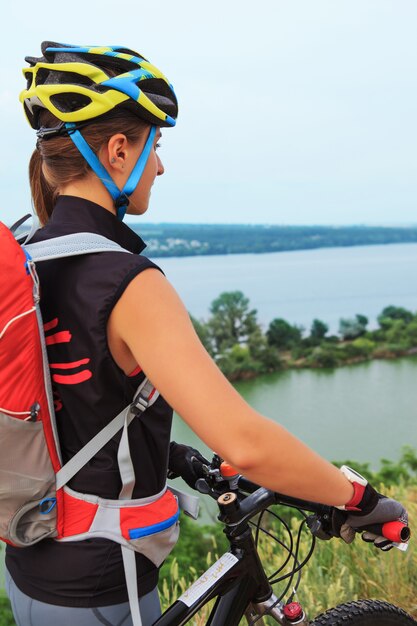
(75, 244)
(145, 396)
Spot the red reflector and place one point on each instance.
(293, 611)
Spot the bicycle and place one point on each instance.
(237, 580)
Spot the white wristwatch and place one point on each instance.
(359, 484)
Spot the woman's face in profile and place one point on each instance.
(139, 200)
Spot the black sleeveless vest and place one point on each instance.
(77, 297)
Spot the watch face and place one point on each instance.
(353, 476)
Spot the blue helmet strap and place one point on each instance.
(120, 198)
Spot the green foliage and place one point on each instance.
(395, 332)
(350, 328)
(283, 335)
(6, 616)
(196, 542)
(235, 340)
(318, 329)
(236, 363)
(231, 322)
(391, 313)
(326, 356)
(267, 356)
(401, 472)
(364, 346)
(233, 337)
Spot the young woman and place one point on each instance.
(110, 318)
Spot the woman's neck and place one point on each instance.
(90, 188)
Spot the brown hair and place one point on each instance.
(57, 161)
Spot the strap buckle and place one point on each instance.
(140, 403)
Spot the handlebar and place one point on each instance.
(253, 499)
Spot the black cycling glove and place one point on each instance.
(186, 462)
(382, 519)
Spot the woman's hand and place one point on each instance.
(186, 462)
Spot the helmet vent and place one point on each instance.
(41, 76)
(66, 102)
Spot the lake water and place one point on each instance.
(363, 412)
(299, 286)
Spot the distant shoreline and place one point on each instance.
(185, 240)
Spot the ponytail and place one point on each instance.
(43, 195)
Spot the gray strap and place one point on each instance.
(145, 396)
(124, 460)
(71, 245)
(90, 449)
(35, 226)
(129, 564)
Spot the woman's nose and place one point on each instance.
(161, 168)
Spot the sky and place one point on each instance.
(291, 111)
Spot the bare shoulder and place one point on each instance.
(148, 302)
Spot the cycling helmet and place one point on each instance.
(81, 84)
(77, 84)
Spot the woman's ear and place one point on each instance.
(116, 152)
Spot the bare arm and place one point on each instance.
(151, 326)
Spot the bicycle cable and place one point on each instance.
(291, 554)
(289, 549)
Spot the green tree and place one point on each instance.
(396, 332)
(262, 352)
(363, 320)
(411, 333)
(283, 335)
(232, 321)
(318, 329)
(350, 328)
(391, 313)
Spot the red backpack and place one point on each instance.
(35, 501)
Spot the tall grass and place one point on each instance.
(336, 573)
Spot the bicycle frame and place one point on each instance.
(231, 581)
(237, 579)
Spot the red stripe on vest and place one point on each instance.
(64, 336)
(68, 366)
(50, 325)
(72, 379)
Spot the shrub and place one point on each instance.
(324, 356)
(237, 363)
(365, 346)
(6, 616)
